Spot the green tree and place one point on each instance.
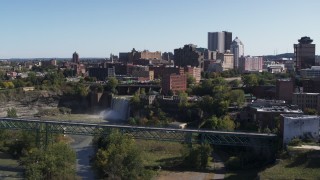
(117, 157)
(206, 104)
(235, 83)
(250, 80)
(112, 84)
(237, 97)
(81, 89)
(33, 78)
(191, 81)
(57, 161)
(198, 157)
(12, 113)
(183, 100)
(215, 123)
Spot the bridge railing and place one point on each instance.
(138, 132)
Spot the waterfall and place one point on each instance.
(119, 109)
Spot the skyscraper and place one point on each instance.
(75, 57)
(304, 53)
(219, 41)
(237, 49)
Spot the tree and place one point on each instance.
(237, 97)
(32, 78)
(190, 81)
(117, 157)
(12, 113)
(215, 123)
(183, 100)
(310, 111)
(57, 161)
(235, 83)
(112, 84)
(81, 89)
(198, 157)
(206, 104)
(250, 80)
(18, 83)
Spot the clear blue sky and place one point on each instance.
(96, 28)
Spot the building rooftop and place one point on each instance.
(307, 93)
(305, 40)
(285, 109)
(299, 116)
(237, 41)
(284, 79)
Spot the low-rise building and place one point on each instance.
(276, 68)
(307, 100)
(311, 85)
(312, 72)
(143, 72)
(299, 126)
(284, 89)
(174, 82)
(265, 112)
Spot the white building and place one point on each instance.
(299, 126)
(276, 68)
(237, 49)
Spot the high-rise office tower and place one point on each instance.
(219, 41)
(75, 57)
(237, 49)
(304, 53)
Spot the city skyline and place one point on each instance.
(36, 29)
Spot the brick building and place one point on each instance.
(143, 72)
(188, 56)
(284, 89)
(159, 71)
(194, 72)
(304, 53)
(174, 82)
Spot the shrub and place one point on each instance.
(295, 142)
(233, 163)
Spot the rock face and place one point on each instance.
(28, 103)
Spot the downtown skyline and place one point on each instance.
(44, 29)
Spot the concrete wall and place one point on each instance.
(300, 127)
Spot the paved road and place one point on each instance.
(84, 149)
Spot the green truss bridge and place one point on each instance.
(46, 128)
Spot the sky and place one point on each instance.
(96, 28)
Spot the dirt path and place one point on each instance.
(219, 168)
(186, 175)
(84, 150)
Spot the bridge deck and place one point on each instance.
(139, 132)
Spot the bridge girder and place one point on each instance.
(137, 132)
